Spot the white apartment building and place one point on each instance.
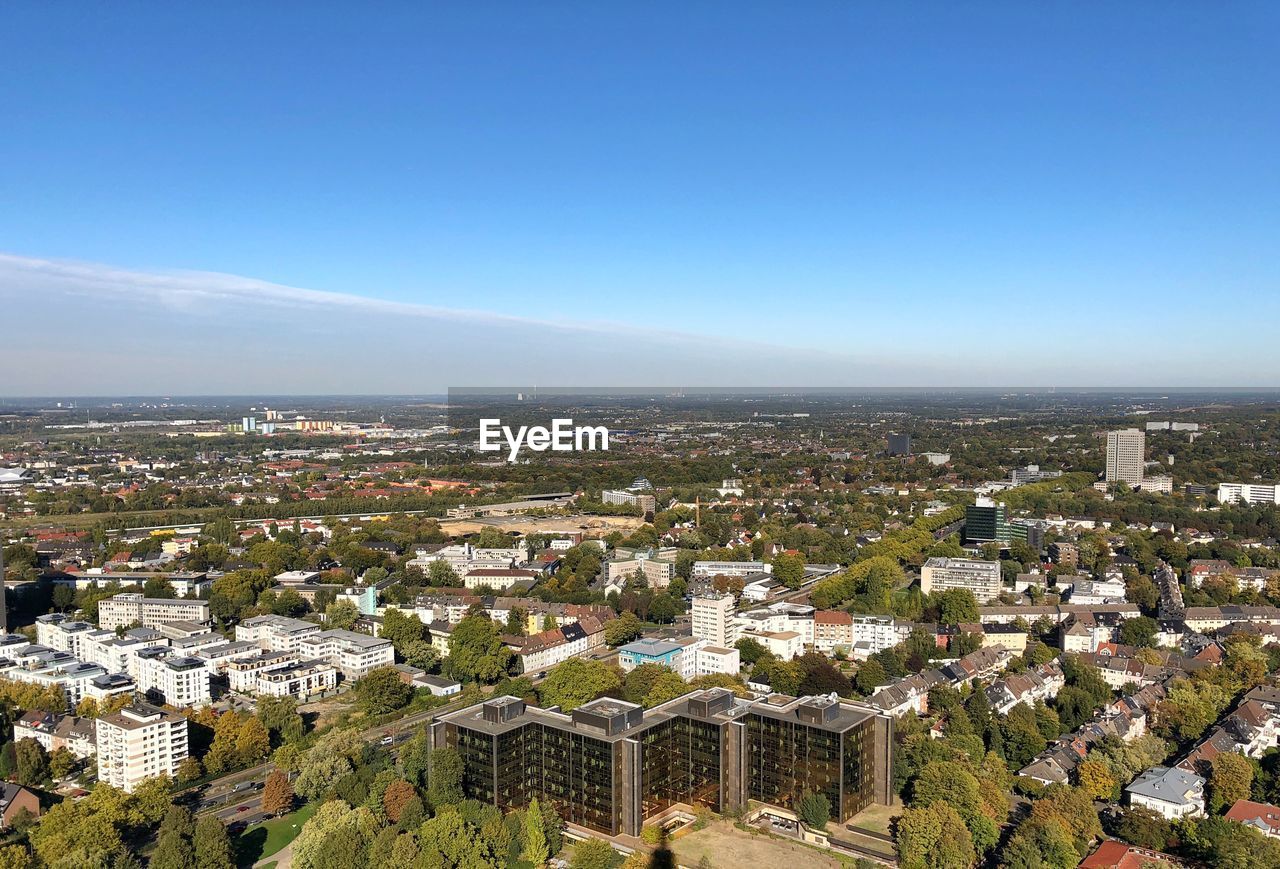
(140, 742)
(13, 644)
(715, 659)
(872, 634)
(708, 569)
(242, 675)
(46, 667)
(1161, 484)
(497, 578)
(780, 618)
(173, 679)
(980, 577)
(59, 632)
(1249, 493)
(657, 572)
(275, 633)
(127, 608)
(354, 654)
(1091, 592)
(216, 658)
(303, 680)
(783, 645)
(648, 503)
(713, 620)
(1126, 452)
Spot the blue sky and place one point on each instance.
(825, 194)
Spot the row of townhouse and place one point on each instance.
(541, 651)
(1125, 719)
(911, 693)
(1178, 791)
(1199, 570)
(1039, 683)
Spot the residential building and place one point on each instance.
(1170, 792)
(833, 629)
(980, 577)
(301, 679)
(1039, 683)
(873, 633)
(14, 800)
(140, 742)
(544, 650)
(1095, 591)
(645, 501)
(657, 570)
(1248, 493)
(782, 617)
(275, 633)
(1263, 817)
(355, 655)
(712, 619)
(499, 578)
(127, 609)
(783, 645)
(611, 766)
(1126, 452)
(54, 731)
(172, 679)
(1121, 855)
(243, 674)
(439, 686)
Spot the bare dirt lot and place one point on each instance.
(727, 847)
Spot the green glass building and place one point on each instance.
(610, 766)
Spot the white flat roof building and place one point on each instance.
(980, 577)
(140, 742)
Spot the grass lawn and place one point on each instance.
(267, 838)
(725, 846)
(875, 818)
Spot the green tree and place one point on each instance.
(31, 763)
(212, 847)
(577, 681)
(957, 606)
(622, 630)
(934, 837)
(446, 778)
(814, 809)
(1140, 631)
(1230, 778)
(535, 837)
(382, 691)
(593, 854)
(341, 614)
(788, 569)
(476, 651)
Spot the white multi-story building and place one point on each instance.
(497, 578)
(1126, 452)
(140, 742)
(59, 632)
(713, 620)
(715, 659)
(1170, 792)
(1097, 591)
(1249, 493)
(216, 658)
(303, 680)
(47, 667)
(872, 634)
(354, 654)
(173, 679)
(780, 618)
(980, 577)
(242, 675)
(783, 645)
(53, 731)
(128, 608)
(708, 569)
(275, 633)
(1161, 484)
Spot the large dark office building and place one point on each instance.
(899, 444)
(610, 765)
